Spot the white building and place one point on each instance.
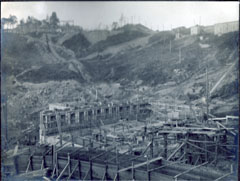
(196, 30)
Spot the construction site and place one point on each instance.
(120, 142)
(120, 103)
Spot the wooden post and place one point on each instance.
(185, 149)
(216, 149)
(133, 175)
(79, 167)
(52, 157)
(205, 147)
(56, 163)
(106, 168)
(91, 172)
(165, 145)
(43, 162)
(72, 140)
(118, 177)
(117, 161)
(148, 172)
(69, 164)
(15, 159)
(151, 147)
(31, 162)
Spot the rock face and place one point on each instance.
(75, 67)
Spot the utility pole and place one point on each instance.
(207, 89)
(170, 47)
(179, 55)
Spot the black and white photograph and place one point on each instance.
(120, 90)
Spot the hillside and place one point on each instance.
(131, 60)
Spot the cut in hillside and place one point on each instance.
(77, 43)
(41, 60)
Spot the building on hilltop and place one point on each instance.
(196, 30)
(222, 28)
(209, 29)
(181, 32)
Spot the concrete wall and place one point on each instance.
(89, 117)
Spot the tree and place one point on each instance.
(10, 22)
(13, 20)
(21, 24)
(5, 21)
(54, 20)
(114, 25)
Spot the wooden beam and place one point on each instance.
(87, 174)
(176, 151)
(223, 176)
(192, 168)
(200, 148)
(141, 164)
(197, 160)
(70, 175)
(104, 176)
(63, 171)
(29, 163)
(154, 169)
(148, 145)
(180, 158)
(31, 174)
(103, 153)
(63, 146)
(226, 128)
(54, 170)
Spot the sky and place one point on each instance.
(153, 14)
